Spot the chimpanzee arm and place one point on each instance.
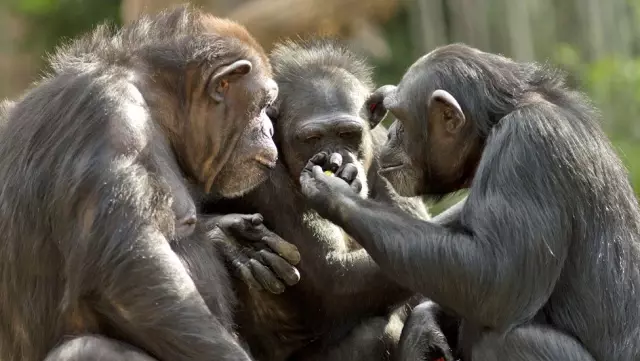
(325, 260)
(501, 266)
(143, 288)
(382, 191)
(113, 225)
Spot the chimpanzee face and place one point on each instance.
(240, 97)
(322, 113)
(429, 143)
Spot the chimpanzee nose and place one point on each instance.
(267, 129)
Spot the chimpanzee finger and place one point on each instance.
(348, 173)
(282, 248)
(252, 230)
(253, 233)
(316, 171)
(244, 273)
(335, 161)
(356, 185)
(246, 221)
(256, 219)
(233, 222)
(318, 159)
(265, 277)
(284, 270)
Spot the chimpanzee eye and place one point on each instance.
(312, 139)
(347, 135)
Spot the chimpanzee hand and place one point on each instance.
(422, 336)
(249, 249)
(321, 187)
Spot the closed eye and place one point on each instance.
(348, 134)
(312, 139)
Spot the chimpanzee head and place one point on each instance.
(208, 83)
(323, 87)
(445, 106)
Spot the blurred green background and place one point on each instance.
(596, 41)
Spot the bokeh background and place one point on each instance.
(596, 41)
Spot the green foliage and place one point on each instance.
(629, 151)
(52, 21)
(613, 83)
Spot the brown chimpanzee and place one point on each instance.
(543, 260)
(97, 166)
(323, 87)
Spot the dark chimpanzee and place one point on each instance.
(542, 261)
(98, 163)
(323, 87)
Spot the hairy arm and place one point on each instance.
(500, 265)
(326, 263)
(117, 253)
(121, 211)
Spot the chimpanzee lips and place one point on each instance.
(391, 167)
(269, 163)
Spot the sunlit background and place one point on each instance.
(596, 41)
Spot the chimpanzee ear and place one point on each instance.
(219, 82)
(374, 109)
(444, 106)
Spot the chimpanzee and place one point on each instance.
(542, 261)
(98, 163)
(322, 88)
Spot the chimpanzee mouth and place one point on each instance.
(391, 167)
(269, 163)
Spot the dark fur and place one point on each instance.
(90, 161)
(542, 261)
(340, 287)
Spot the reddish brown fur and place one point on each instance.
(232, 29)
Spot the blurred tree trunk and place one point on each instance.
(428, 24)
(519, 30)
(469, 22)
(272, 20)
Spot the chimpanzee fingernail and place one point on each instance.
(335, 162)
(318, 157)
(256, 219)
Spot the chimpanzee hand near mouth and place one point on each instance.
(321, 187)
